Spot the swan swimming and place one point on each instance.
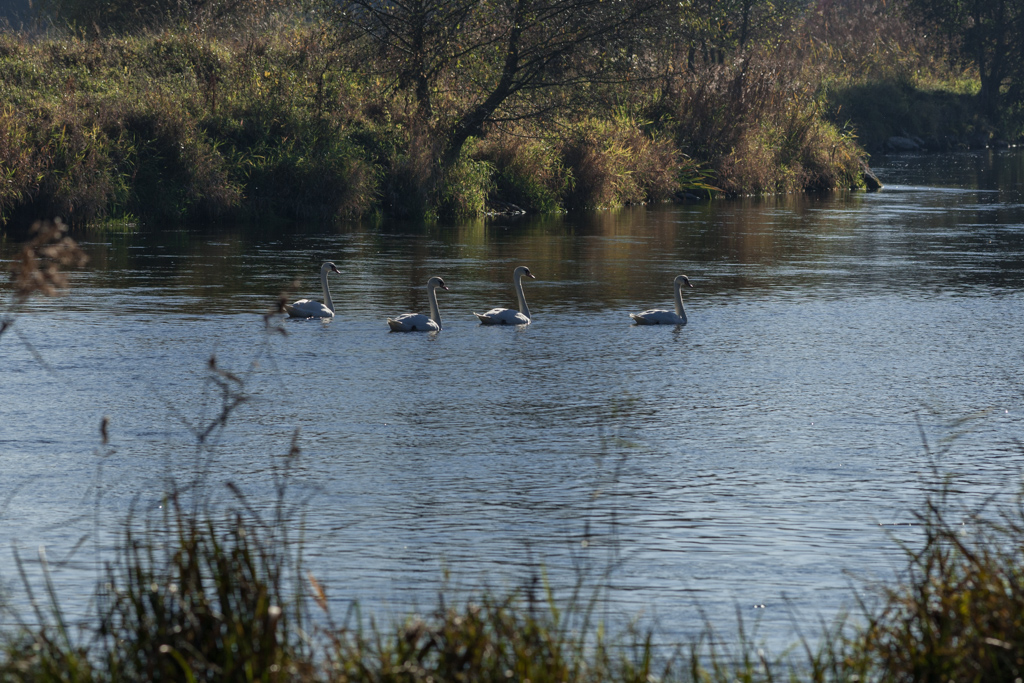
(510, 316)
(417, 322)
(307, 308)
(657, 316)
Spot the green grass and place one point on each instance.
(281, 122)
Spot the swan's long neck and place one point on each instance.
(523, 308)
(435, 314)
(327, 290)
(679, 300)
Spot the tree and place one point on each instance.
(498, 55)
(713, 29)
(415, 40)
(989, 33)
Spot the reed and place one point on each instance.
(198, 600)
(198, 593)
(188, 600)
(760, 127)
(615, 162)
(528, 171)
(490, 639)
(958, 614)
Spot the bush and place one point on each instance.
(464, 188)
(615, 163)
(759, 125)
(527, 172)
(180, 124)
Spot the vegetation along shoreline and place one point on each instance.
(235, 110)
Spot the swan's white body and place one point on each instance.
(658, 316)
(417, 322)
(510, 316)
(307, 308)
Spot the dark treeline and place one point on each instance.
(313, 109)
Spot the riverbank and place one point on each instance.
(181, 124)
(244, 112)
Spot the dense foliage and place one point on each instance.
(990, 34)
(299, 109)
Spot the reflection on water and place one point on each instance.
(761, 454)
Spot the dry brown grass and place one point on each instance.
(759, 124)
(37, 268)
(614, 162)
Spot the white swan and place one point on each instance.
(510, 316)
(307, 308)
(657, 316)
(417, 322)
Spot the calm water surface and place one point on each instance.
(844, 353)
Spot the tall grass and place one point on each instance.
(959, 614)
(199, 595)
(759, 124)
(185, 599)
(614, 162)
(529, 172)
(277, 117)
(173, 126)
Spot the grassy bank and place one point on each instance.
(244, 111)
(274, 122)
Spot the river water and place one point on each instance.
(844, 354)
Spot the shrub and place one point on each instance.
(527, 171)
(464, 189)
(76, 178)
(759, 125)
(309, 177)
(19, 166)
(172, 168)
(615, 163)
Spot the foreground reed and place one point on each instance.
(221, 596)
